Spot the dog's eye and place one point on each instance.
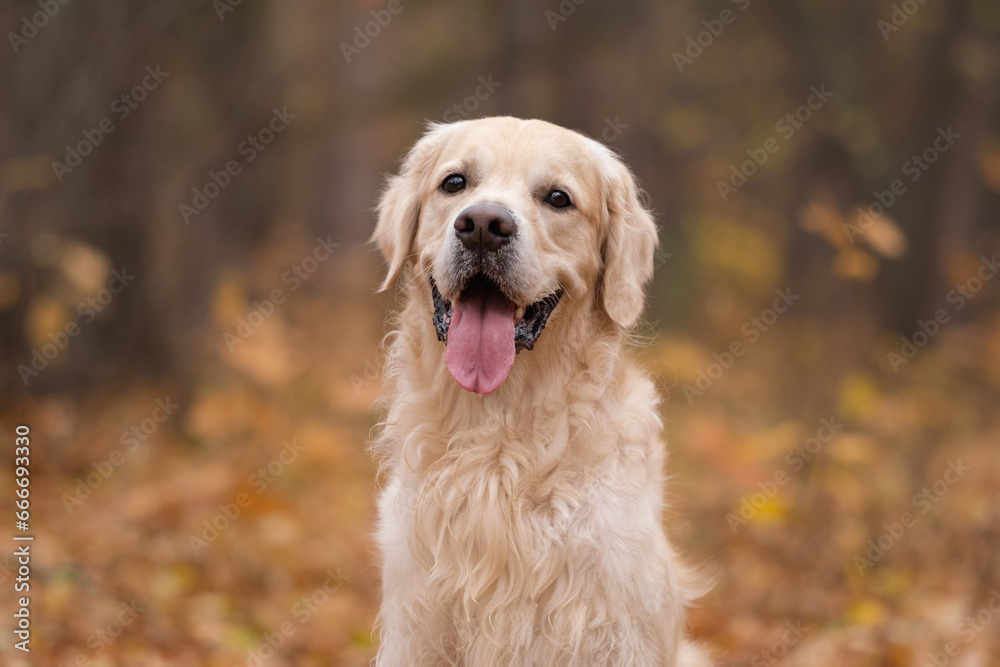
(453, 183)
(557, 199)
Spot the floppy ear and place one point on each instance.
(629, 245)
(399, 207)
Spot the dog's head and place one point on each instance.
(506, 219)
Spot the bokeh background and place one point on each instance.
(190, 329)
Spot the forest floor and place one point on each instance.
(850, 515)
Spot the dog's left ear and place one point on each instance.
(399, 206)
(631, 239)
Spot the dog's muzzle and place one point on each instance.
(484, 328)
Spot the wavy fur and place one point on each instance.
(524, 527)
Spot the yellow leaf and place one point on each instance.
(771, 512)
(868, 612)
(858, 396)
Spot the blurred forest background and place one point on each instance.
(188, 321)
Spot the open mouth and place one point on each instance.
(484, 329)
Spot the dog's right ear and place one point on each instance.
(399, 207)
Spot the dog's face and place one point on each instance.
(507, 219)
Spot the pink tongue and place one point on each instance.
(480, 340)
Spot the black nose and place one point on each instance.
(485, 227)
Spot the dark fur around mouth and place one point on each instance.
(526, 331)
(442, 314)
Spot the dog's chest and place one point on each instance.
(494, 530)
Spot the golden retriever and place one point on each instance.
(520, 523)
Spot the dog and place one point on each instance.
(520, 521)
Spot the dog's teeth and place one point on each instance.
(519, 313)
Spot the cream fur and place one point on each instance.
(524, 527)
